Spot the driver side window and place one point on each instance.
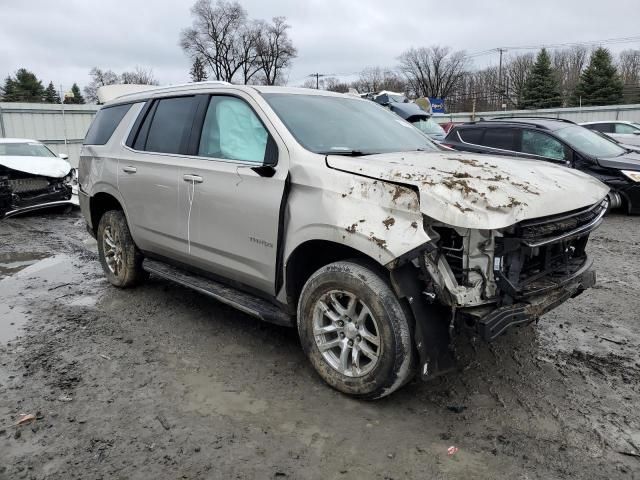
(543, 145)
(232, 131)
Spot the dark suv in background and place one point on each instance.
(557, 141)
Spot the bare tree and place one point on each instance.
(215, 36)
(434, 71)
(335, 85)
(374, 79)
(99, 78)
(517, 72)
(139, 76)
(249, 39)
(275, 50)
(197, 72)
(629, 67)
(568, 65)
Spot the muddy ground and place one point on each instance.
(161, 382)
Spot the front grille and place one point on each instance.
(538, 231)
(537, 254)
(28, 185)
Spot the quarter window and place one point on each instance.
(543, 145)
(104, 124)
(166, 127)
(232, 131)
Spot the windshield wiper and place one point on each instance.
(347, 153)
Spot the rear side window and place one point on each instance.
(601, 127)
(471, 135)
(104, 124)
(502, 138)
(166, 125)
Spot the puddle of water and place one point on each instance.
(11, 322)
(11, 263)
(15, 296)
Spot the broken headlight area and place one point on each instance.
(492, 280)
(19, 190)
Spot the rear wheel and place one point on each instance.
(354, 330)
(120, 258)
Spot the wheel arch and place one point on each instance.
(312, 255)
(99, 204)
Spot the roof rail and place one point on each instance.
(107, 93)
(529, 117)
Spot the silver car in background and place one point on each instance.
(624, 132)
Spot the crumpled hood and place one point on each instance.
(480, 191)
(46, 166)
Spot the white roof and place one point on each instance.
(143, 94)
(607, 121)
(18, 140)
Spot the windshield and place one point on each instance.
(324, 124)
(588, 142)
(25, 150)
(428, 126)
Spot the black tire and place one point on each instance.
(396, 354)
(129, 272)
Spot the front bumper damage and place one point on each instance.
(485, 282)
(21, 193)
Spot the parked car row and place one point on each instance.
(557, 141)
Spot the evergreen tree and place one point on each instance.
(7, 89)
(77, 97)
(198, 72)
(51, 95)
(24, 87)
(600, 83)
(541, 89)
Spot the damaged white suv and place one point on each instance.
(332, 214)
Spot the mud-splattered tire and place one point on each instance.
(120, 258)
(350, 306)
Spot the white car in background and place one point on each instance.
(32, 177)
(623, 131)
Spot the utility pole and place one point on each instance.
(317, 75)
(500, 51)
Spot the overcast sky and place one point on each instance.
(62, 40)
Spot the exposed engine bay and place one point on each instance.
(20, 190)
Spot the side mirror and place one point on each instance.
(63, 156)
(636, 132)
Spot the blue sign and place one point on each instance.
(437, 105)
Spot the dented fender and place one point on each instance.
(378, 218)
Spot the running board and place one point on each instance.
(244, 302)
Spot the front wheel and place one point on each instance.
(120, 258)
(354, 330)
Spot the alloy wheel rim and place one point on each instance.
(346, 333)
(112, 251)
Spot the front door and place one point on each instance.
(232, 208)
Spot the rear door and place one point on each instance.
(230, 200)
(149, 174)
